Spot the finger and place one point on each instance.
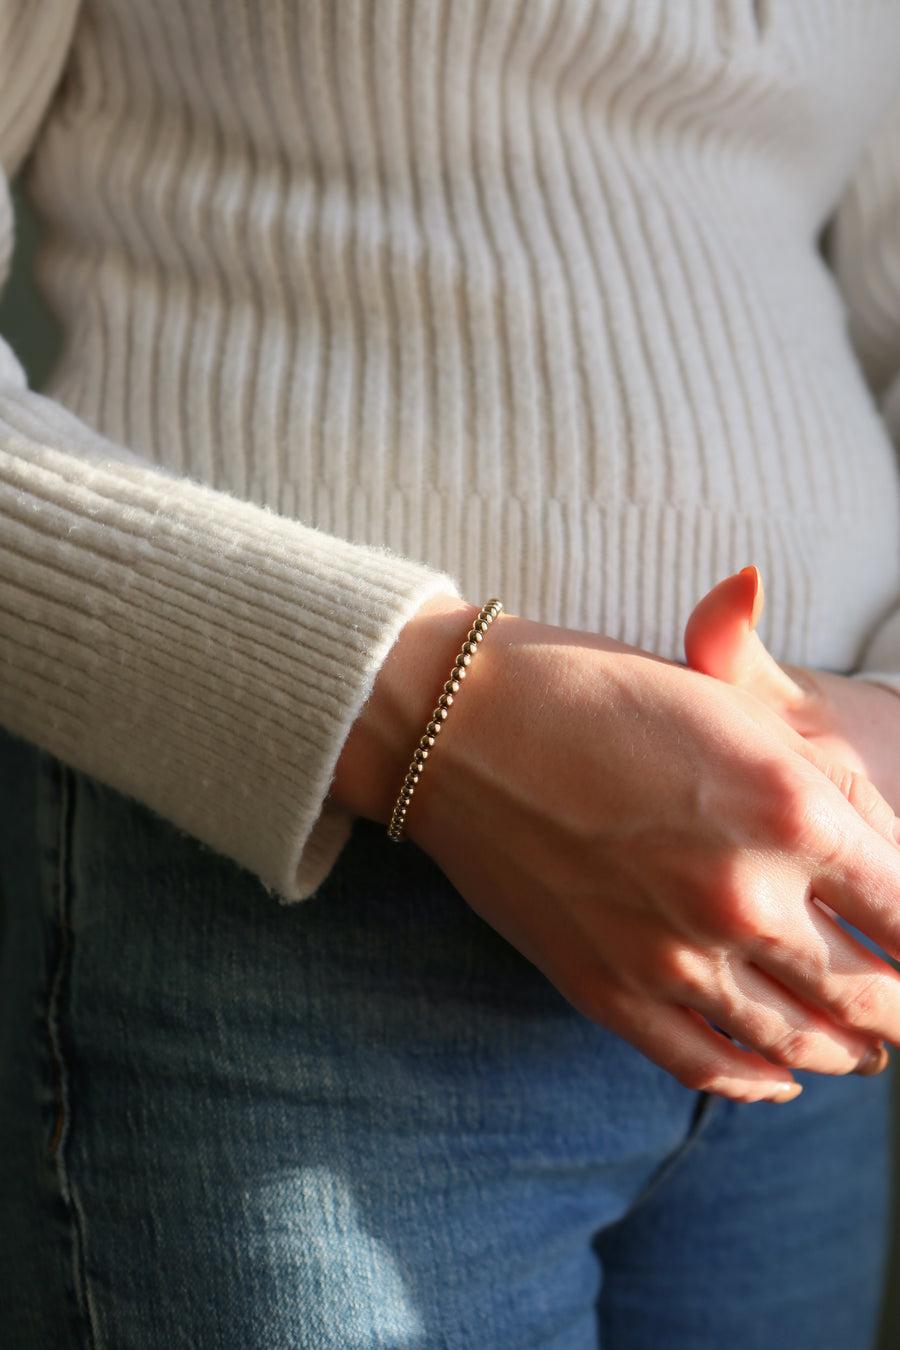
(720, 640)
(701, 1058)
(827, 819)
(862, 794)
(764, 1015)
(826, 968)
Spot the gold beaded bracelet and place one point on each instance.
(486, 616)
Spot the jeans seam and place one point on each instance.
(706, 1104)
(58, 989)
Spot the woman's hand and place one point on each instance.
(655, 841)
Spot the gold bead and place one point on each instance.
(458, 673)
(464, 658)
(427, 741)
(446, 700)
(440, 714)
(475, 636)
(451, 686)
(469, 649)
(420, 753)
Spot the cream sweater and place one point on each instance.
(365, 299)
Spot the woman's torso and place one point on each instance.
(530, 291)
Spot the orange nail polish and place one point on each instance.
(759, 598)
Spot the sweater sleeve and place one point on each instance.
(201, 654)
(864, 253)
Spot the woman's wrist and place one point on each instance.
(376, 752)
(450, 690)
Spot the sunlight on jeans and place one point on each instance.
(344, 1283)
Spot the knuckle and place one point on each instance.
(868, 802)
(665, 965)
(739, 917)
(860, 1005)
(793, 821)
(674, 968)
(795, 1047)
(802, 816)
(735, 910)
(698, 978)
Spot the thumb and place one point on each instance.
(720, 640)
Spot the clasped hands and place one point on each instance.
(670, 849)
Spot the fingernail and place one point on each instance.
(785, 1092)
(758, 594)
(875, 1061)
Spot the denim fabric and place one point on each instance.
(366, 1122)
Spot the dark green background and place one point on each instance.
(25, 322)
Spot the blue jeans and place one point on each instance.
(366, 1122)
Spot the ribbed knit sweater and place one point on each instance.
(582, 303)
